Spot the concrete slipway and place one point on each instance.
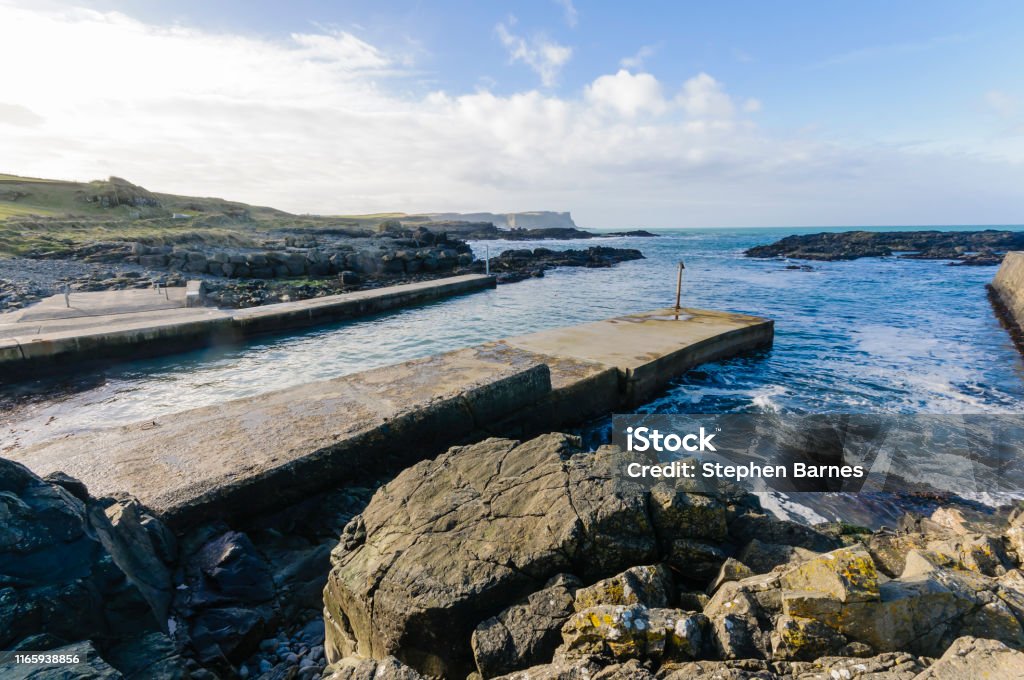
(118, 325)
(263, 452)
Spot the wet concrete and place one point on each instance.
(264, 452)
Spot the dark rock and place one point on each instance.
(230, 632)
(526, 633)
(235, 569)
(57, 577)
(72, 485)
(964, 247)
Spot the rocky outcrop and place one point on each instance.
(447, 570)
(962, 247)
(526, 633)
(515, 265)
(77, 570)
(454, 541)
(970, 657)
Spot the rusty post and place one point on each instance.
(679, 284)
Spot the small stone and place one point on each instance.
(291, 658)
(265, 666)
(308, 673)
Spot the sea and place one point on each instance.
(873, 335)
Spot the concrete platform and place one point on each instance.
(1008, 286)
(100, 303)
(50, 336)
(261, 453)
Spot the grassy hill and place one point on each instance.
(51, 215)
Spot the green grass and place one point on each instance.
(10, 209)
(47, 215)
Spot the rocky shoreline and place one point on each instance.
(510, 559)
(291, 265)
(963, 248)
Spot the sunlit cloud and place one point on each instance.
(324, 121)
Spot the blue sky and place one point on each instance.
(709, 114)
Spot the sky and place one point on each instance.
(675, 114)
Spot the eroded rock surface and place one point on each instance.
(447, 572)
(454, 541)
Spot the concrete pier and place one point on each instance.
(120, 325)
(263, 452)
(1008, 286)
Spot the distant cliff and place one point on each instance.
(536, 219)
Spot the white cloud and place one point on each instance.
(544, 56)
(572, 16)
(703, 97)
(340, 49)
(627, 94)
(317, 122)
(636, 61)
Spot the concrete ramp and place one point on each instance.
(263, 452)
(123, 325)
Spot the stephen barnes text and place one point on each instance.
(711, 470)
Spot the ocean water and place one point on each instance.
(871, 335)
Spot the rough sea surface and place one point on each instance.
(871, 335)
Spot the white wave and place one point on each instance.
(780, 505)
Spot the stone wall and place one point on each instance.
(1008, 286)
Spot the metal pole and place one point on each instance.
(679, 284)
(487, 261)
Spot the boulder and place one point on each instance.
(844, 575)
(634, 632)
(650, 586)
(526, 633)
(584, 668)
(731, 570)
(969, 658)
(804, 639)
(762, 557)
(454, 541)
(388, 668)
(56, 576)
(921, 612)
(888, 666)
(235, 570)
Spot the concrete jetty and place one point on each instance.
(120, 325)
(263, 452)
(1008, 287)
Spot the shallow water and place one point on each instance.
(872, 335)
